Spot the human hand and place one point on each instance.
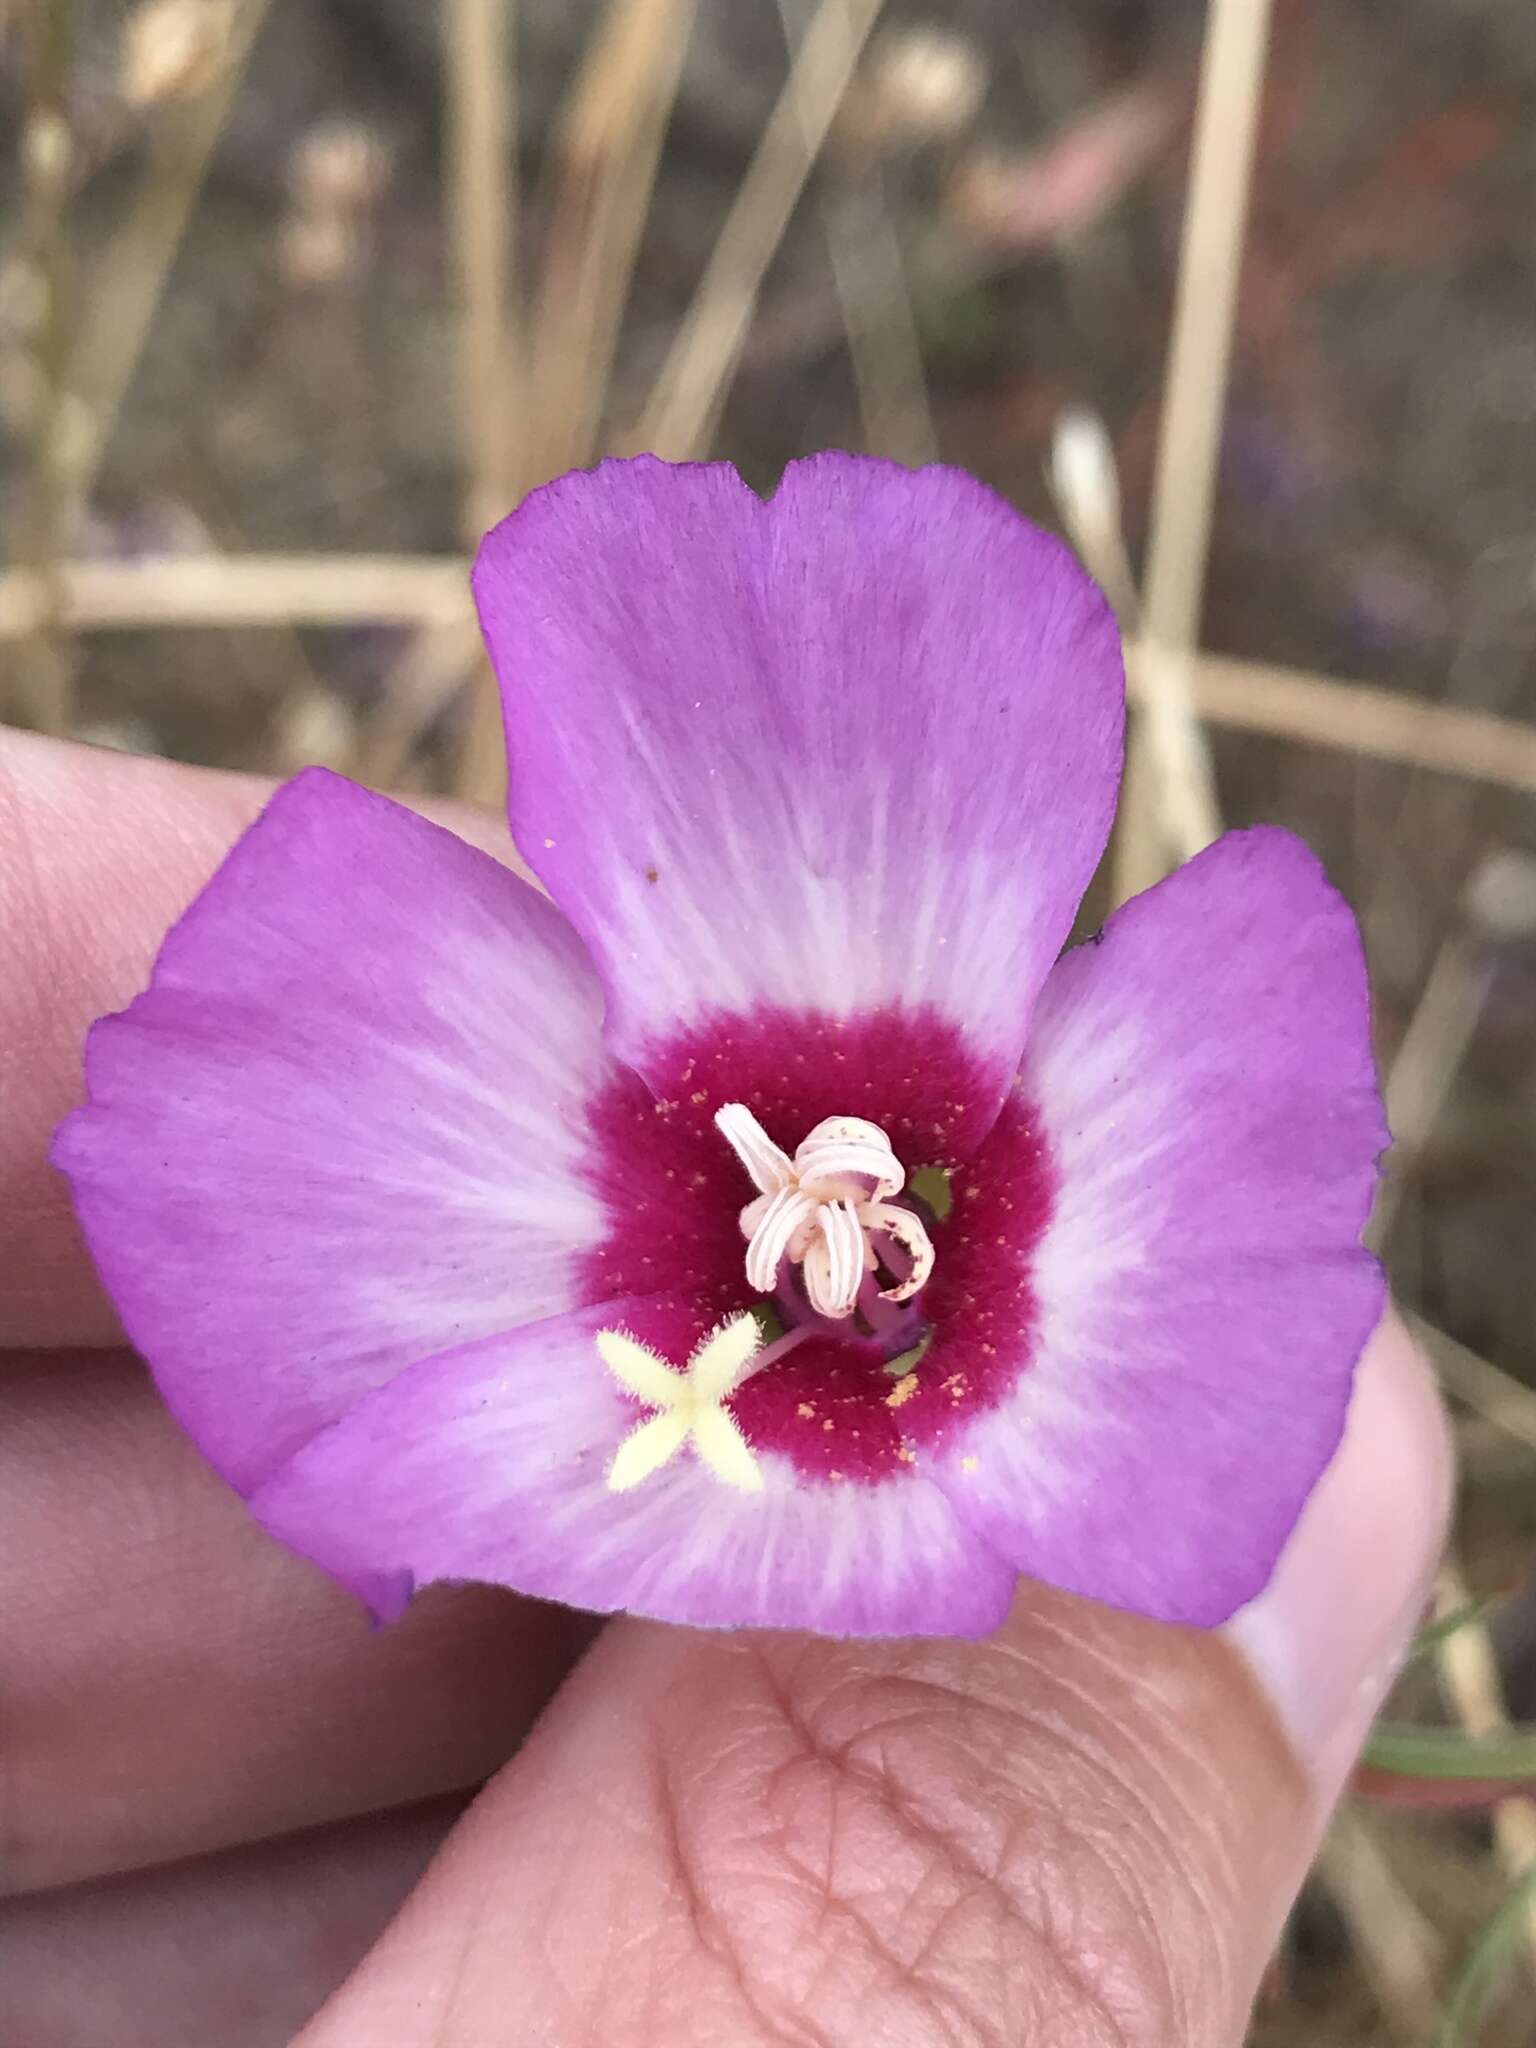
(1086, 1830)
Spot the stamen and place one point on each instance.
(884, 1218)
(769, 1167)
(846, 1148)
(821, 1209)
(834, 1262)
(776, 1221)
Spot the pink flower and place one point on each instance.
(775, 1226)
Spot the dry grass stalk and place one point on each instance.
(910, 83)
(611, 140)
(44, 669)
(172, 49)
(1399, 1948)
(680, 416)
(1085, 484)
(1189, 443)
(887, 357)
(1189, 440)
(1426, 1064)
(1469, 1673)
(419, 686)
(1506, 1403)
(1360, 718)
(608, 151)
(132, 275)
(341, 590)
(246, 590)
(1418, 1082)
(481, 187)
(1495, 903)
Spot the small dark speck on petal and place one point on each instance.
(652, 875)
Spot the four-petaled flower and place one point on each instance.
(407, 1179)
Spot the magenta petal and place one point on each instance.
(344, 1127)
(1206, 1093)
(491, 1463)
(850, 750)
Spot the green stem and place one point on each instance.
(1446, 1753)
(1470, 1993)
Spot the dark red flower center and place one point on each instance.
(836, 1405)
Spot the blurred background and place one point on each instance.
(296, 296)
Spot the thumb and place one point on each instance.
(1085, 1831)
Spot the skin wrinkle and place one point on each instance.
(1065, 1730)
(578, 1999)
(968, 1892)
(715, 1937)
(1068, 1958)
(816, 1878)
(832, 1907)
(1200, 1808)
(960, 2029)
(712, 1934)
(988, 1882)
(1150, 1787)
(700, 1919)
(458, 1991)
(1115, 1777)
(591, 2005)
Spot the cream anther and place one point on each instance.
(824, 1209)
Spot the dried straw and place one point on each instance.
(482, 225)
(679, 417)
(1189, 439)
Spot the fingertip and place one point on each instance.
(1326, 1637)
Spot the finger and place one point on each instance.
(1086, 1830)
(99, 854)
(238, 1949)
(172, 1681)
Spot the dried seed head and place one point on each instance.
(173, 49)
(339, 167)
(918, 85)
(1500, 898)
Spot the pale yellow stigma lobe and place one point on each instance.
(689, 1405)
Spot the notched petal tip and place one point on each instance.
(838, 866)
